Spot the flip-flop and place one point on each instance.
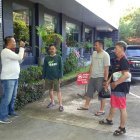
(99, 113)
(82, 108)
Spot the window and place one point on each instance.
(51, 22)
(22, 25)
(133, 52)
(88, 34)
(72, 34)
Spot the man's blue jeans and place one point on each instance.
(8, 97)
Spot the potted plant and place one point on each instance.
(87, 45)
(48, 37)
(108, 42)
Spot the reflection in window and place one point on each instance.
(72, 34)
(51, 22)
(88, 34)
(21, 24)
(22, 15)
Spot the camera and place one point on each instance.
(26, 46)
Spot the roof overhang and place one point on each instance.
(75, 10)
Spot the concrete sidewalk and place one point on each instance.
(36, 122)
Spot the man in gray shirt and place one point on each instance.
(99, 70)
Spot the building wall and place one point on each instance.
(8, 24)
(40, 10)
(37, 18)
(7, 18)
(113, 35)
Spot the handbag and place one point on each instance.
(104, 93)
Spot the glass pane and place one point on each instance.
(88, 35)
(133, 52)
(72, 34)
(51, 22)
(21, 24)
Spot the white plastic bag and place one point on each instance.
(117, 75)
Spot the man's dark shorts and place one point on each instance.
(52, 85)
(95, 84)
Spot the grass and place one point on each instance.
(75, 73)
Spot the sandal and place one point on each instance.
(106, 122)
(119, 132)
(99, 113)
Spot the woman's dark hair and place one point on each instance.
(7, 39)
(122, 44)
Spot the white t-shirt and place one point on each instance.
(99, 61)
(10, 63)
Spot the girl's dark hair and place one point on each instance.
(7, 39)
(122, 44)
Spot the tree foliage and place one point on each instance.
(129, 26)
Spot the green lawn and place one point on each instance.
(75, 73)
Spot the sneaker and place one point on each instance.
(50, 105)
(13, 115)
(5, 121)
(61, 108)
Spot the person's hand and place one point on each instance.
(60, 81)
(113, 85)
(22, 44)
(105, 85)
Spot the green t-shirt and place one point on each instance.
(53, 67)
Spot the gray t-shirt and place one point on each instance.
(99, 61)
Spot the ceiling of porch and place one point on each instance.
(73, 9)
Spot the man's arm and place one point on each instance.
(19, 56)
(106, 72)
(44, 69)
(91, 66)
(60, 68)
(125, 76)
(90, 69)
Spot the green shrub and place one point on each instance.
(28, 93)
(30, 86)
(30, 75)
(71, 63)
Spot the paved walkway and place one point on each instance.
(36, 122)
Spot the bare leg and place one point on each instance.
(123, 117)
(59, 95)
(103, 101)
(111, 113)
(87, 102)
(51, 95)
